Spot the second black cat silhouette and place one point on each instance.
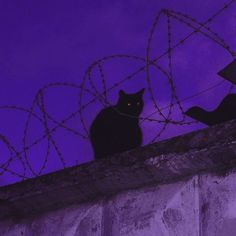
(116, 128)
(224, 112)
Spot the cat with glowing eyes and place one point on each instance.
(116, 128)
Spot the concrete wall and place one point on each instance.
(185, 186)
(203, 205)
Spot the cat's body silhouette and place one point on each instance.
(116, 128)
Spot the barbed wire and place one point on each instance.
(87, 88)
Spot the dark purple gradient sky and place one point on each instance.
(55, 41)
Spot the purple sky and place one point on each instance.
(55, 41)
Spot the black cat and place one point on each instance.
(116, 128)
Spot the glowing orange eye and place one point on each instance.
(129, 104)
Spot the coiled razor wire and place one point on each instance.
(44, 117)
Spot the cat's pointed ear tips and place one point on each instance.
(141, 92)
(121, 93)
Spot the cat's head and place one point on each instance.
(130, 104)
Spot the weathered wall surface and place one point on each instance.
(204, 205)
(177, 187)
(218, 206)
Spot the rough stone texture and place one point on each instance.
(160, 210)
(83, 220)
(166, 210)
(167, 189)
(207, 150)
(218, 205)
(204, 205)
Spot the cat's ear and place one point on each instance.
(141, 92)
(121, 93)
